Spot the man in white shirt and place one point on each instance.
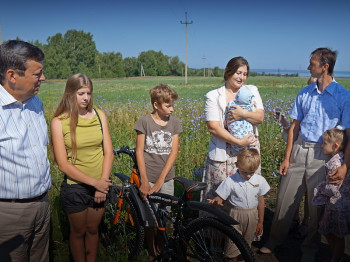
(24, 167)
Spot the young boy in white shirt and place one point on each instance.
(245, 192)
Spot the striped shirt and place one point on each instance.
(24, 166)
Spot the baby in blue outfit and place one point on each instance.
(240, 128)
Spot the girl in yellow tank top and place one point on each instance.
(82, 149)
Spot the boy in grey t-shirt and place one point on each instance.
(157, 147)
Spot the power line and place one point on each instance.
(186, 23)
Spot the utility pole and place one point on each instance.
(0, 36)
(142, 71)
(186, 23)
(203, 65)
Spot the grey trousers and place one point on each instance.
(25, 231)
(306, 170)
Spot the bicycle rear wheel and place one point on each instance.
(206, 239)
(125, 239)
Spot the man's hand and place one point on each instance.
(338, 175)
(259, 229)
(284, 167)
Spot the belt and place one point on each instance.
(308, 144)
(24, 200)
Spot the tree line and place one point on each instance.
(75, 51)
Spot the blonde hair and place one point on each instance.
(68, 106)
(249, 159)
(336, 135)
(162, 93)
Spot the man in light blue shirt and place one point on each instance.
(24, 167)
(318, 107)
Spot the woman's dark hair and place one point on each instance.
(233, 65)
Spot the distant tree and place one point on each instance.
(56, 62)
(75, 51)
(176, 66)
(195, 72)
(131, 66)
(148, 60)
(217, 71)
(162, 64)
(110, 65)
(80, 50)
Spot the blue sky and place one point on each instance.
(276, 34)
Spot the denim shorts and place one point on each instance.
(78, 197)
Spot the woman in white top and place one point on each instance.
(221, 160)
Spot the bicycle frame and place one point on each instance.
(142, 207)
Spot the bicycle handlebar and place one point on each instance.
(124, 150)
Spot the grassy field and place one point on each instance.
(125, 100)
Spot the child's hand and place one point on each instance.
(156, 187)
(217, 201)
(144, 188)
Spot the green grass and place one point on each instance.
(125, 100)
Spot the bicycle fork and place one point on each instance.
(120, 204)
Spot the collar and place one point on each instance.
(340, 155)
(331, 88)
(5, 97)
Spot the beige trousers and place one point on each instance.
(306, 170)
(248, 220)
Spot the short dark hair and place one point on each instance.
(233, 65)
(326, 56)
(14, 54)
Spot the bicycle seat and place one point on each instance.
(190, 185)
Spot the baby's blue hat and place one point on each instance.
(244, 96)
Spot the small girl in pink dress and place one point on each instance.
(335, 223)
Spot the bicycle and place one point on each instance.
(189, 239)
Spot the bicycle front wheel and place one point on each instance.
(206, 239)
(124, 241)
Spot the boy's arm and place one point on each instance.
(140, 144)
(216, 201)
(261, 210)
(168, 165)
